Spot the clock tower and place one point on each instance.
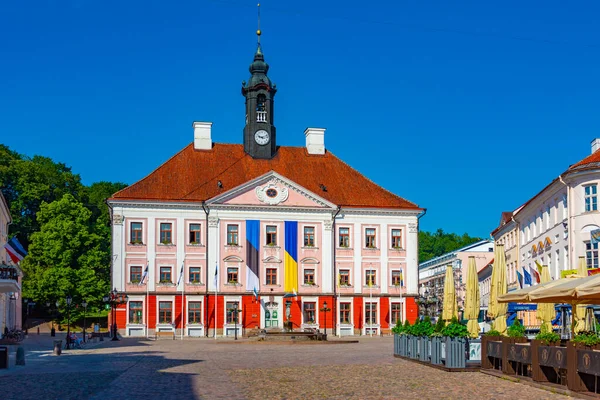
(259, 132)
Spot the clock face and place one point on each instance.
(261, 137)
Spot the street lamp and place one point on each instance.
(69, 300)
(325, 309)
(114, 298)
(84, 304)
(235, 314)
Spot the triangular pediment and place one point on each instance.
(271, 190)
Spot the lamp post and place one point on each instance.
(69, 300)
(84, 304)
(26, 302)
(325, 309)
(114, 298)
(235, 314)
(425, 301)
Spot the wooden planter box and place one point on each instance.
(547, 361)
(456, 355)
(436, 350)
(400, 345)
(491, 352)
(512, 355)
(424, 348)
(583, 367)
(413, 347)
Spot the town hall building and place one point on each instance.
(223, 239)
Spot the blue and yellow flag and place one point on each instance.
(290, 263)
(252, 259)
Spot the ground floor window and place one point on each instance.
(396, 313)
(165, 312)
(309, 312)
(344, 313)
(232, 310)
(194, 312)
(135, 312)
(370, 313)
(591, 254)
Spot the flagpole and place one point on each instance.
(371, 307)
(216, 290)
(182, 308)
(147, 300)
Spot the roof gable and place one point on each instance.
(194, 175)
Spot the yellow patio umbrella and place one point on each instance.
(500, 289)
(579, 311)
(472, 299)
(545, 311)
(493, 298)
(450, 308)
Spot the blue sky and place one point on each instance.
(467, 109)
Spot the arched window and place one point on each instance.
(261, 108)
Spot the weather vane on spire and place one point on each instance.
(258, 32)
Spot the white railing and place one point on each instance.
(261, 116)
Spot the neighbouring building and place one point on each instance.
(10, 277)
(432, 273)
(507, 234)
(274, 235)
(554, 227)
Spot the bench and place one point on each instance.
(386, 331)
(169, 334)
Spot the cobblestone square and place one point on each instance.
(226, 369)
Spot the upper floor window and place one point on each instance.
(194, 234)
(309, 276)
(370, 277)
(309, 236)
(396, 278)
(261, 108)
(271, 235)
(370, 238)
(135, 274)
(165, 275)
(271, 276)
(232, 275)
(166, 233)
(344, 237)
(194, 275)
(136, 233)
(344, 277)
(232, 235)
(591, 198)
(396, 239)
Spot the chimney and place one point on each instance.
(595, 145)
(315, 140)
(202, 139)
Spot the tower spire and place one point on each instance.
(258, 32)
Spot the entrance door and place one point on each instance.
(271, 315)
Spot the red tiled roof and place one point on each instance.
(192, 175)
(592, 160)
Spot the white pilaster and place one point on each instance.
(384, 245)
(213, 250)
(412, 256)
(181, 241)
(357, 245)
(327, 260)
(118, 254)
(151, 246)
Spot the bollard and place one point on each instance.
(52, 332)
(57, 347)
(38, 330)
(101, 337)
(20, 356)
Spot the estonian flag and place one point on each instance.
(15, 250)
(180, 275)
(144, 275)
(520, 278)
(216, 279)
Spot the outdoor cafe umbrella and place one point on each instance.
(472, 299)
(450, 308)
(546, 311)
(579, 313)
(501, 288)
(491, 311)
(590, 320)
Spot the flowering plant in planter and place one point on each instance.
(586, 338)
(547, 337)
(516, 330)
(455, 329)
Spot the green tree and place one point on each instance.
(95, 199)
(68, 256)
(435, 244)
(28, 182)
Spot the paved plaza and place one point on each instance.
(225, 369)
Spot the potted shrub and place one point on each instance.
(436, 342)
(456, 335)
(397, 330)
(403, 340)
(423, 330)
